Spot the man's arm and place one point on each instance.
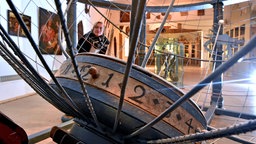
(83, 44)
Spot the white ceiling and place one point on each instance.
(177, 2)
(161, 2)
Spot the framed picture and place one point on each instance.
(124, 16)
(49, 23)
(242, 30)
(14, 26)
(148, 15)
(200, 12)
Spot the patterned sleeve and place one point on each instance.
(83, 44)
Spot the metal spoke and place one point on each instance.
(32, 42)
(133, 45)
(74, 62)
(217, 133)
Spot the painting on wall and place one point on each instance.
(200, 12)
(14, 26)
(124, 16)
(48, 32)
(148, 15)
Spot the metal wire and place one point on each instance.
(135, 34)
(34, 80)
(63, 92)
(221, 132)
(74, 62)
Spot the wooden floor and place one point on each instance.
(238, 96)
(34, 114)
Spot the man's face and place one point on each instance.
(98, 29)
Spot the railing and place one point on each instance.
(44, 134)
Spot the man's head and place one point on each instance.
(98, 28)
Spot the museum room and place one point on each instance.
(127, 71)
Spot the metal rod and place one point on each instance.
(142, 47)
(221, 132)
(33, 79)
(132, 47)
(133, 15)
(44, 134)
(144, 62)
(234, 138)
(210, 112)
(74, 62)
(70, 101)
(220, 111)
(218, 30)
(71, 22)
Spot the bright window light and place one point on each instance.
(253, 76)
(126, 47)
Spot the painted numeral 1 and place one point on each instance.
(106, 83)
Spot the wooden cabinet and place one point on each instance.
(192, 52)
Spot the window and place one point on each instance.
(231, 33)
(236, 31)
(242, 29)
(200, 12)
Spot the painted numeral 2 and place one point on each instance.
(136, 98)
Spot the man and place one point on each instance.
(94, 41)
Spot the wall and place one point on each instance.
(23, 42)
(30, 8)
(191, 21)
(235, 17)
